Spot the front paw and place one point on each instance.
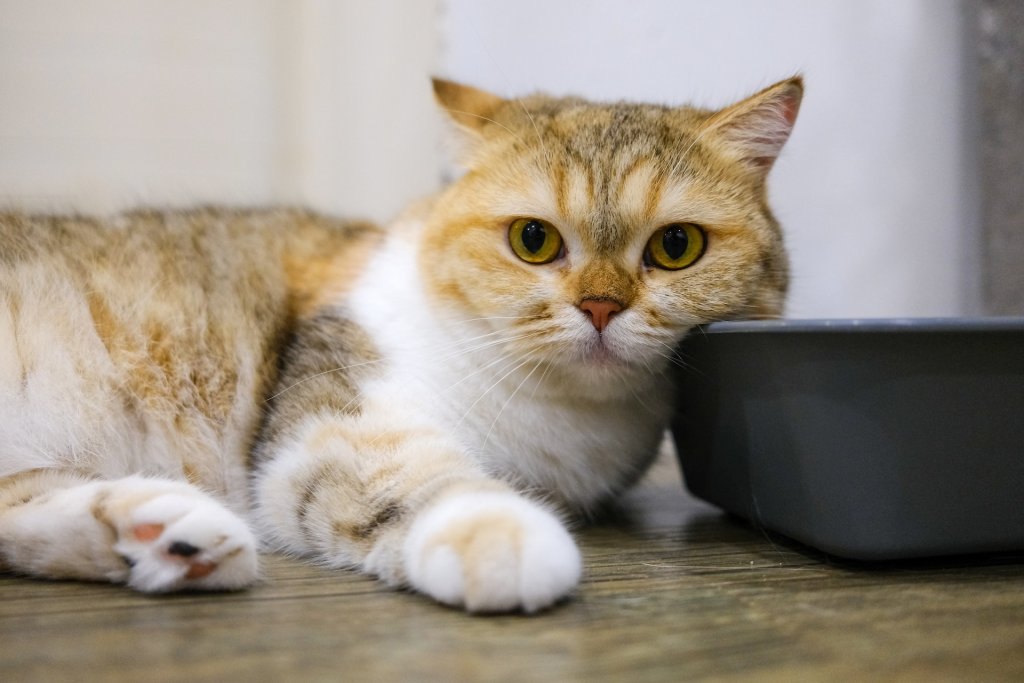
(491, 552)
(182, 539)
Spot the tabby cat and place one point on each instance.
(427, 403)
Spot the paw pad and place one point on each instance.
(147, 533)
(182, 539)
(200, 569)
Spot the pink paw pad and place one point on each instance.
(196, 570)
(146, 533)
(179, 550)
(181, 539)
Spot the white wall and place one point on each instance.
(362, 129)
(872, 190)
(114, 103)
(111, 103)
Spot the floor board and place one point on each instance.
(674, 591)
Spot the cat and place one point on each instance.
(429, 403)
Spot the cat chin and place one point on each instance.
(601, 355)
(615, 358)
(601, 376)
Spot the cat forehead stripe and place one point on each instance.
(639, 192)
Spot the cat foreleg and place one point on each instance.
(152, 534)
(491, 551)
(410, 508)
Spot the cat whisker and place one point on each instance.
(682, 157)
(320, 374)
(536, 129)
(483, 368)
(487, 366)
(673, 358)
(484, 118)
(487, 436)
(488, 390)
(464, 343)
(543, 377)
(677, 359)
(455, 352)
(500, 317)
(460, 346)
(353, 401)
(474, 344)
(526, 111)
(470, 340)
(673, 355)
(640, 400)
(488, 344)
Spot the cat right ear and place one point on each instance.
(471, 109)
(753, 131)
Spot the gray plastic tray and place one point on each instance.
(868, 439)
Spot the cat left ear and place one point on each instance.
(470, 108)
(755, 129)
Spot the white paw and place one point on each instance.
(185, 540)
(491, 552)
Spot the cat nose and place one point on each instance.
(600, 311)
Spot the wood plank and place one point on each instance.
(674, 591)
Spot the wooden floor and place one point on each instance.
(674, 591)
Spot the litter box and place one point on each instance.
(867, 439)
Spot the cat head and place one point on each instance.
(593, 237)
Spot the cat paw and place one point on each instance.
(186, 540)
(491, 552)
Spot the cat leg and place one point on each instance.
(490, 551)
(412, 509)
(154, 535)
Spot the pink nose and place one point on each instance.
(600, 311)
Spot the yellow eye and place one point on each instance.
(535, 241)
(675, 246)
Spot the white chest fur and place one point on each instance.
(519, 420)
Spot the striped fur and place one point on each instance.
(415, 402)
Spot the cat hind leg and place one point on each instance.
(154, 535)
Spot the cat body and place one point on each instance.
(426, 402)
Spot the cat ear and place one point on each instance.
(468, 107)
(754, 130)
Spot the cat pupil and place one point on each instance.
(675, 242)
(534, 236)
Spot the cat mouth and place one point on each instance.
(600, 353)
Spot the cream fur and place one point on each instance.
(421, 404)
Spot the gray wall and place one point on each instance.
(1000, 69)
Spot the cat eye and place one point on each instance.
(534, 241)
(675, 246)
